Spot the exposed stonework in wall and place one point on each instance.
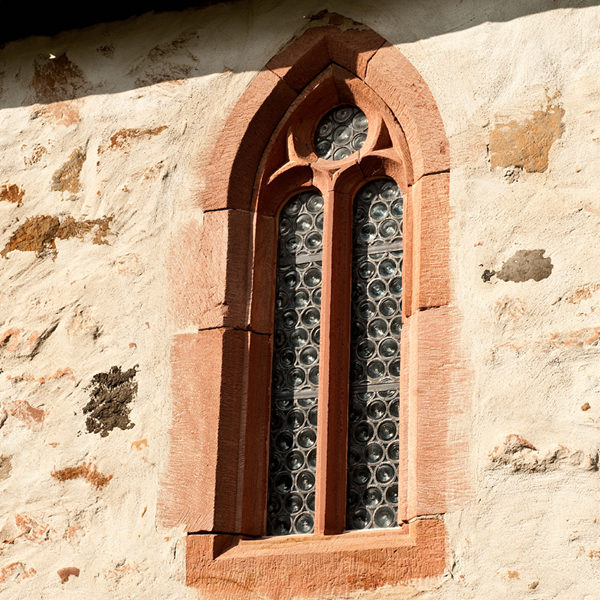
(86, 471)
(58, 114)
(12, 193)
(122, 139)
(83, 284)
(526, 144)
(36, 155)
(66, 179)
(521, 456)
(67, 572)
(56, 77)
(39, 234)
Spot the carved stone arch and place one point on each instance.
(291, 144)
(367, 57)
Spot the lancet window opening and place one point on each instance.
(335, 179)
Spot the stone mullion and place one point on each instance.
(332, 428)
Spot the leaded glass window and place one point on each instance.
(294, 388)
(340, 133)
(374, 369)
(372, 497)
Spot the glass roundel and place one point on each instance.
(295, 380)
(341, 132)
(372, 490)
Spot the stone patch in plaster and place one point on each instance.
(5, 467)
(38, 234)
(527, 143)
(9, 340)
(87, 471)
(66, 179)
(106, 50)
(122, 138)
(522, 266)
(36, 155)
(16, 571)
(167, 62)
(523, 457)
(29, 528)
(58, 374)
(582, 337)
(60, 113)
(65, 573)
(23, 411)
(56, 79)
(582, 293)
(12, 193)
(110, 396)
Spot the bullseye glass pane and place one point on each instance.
(294, 388)
(372, 491)
(341, 132)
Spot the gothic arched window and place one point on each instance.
(299, 407)
(372, 349)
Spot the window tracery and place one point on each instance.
(348, 164)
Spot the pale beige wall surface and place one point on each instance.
(129, 109)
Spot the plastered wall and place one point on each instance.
(101, 136)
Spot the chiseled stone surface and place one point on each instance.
(100, 172)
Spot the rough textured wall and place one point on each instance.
(100, 130)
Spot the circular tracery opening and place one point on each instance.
(341, 133)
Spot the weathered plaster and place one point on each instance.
(160, 87)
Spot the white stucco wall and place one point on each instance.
(532, 345)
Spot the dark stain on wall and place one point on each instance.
(55, 79)
(522, 266)
(110, 396)
(66, 179)
(38, 234)
(106, 50)
(487, 275)
(42, 339)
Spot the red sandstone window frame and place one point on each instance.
(223, 288)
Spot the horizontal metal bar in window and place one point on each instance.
(375, 387)
(380, 249)
(301, 259)
(308, 393)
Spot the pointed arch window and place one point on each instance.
(334, 177)
(373, 356)
(314, 414)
